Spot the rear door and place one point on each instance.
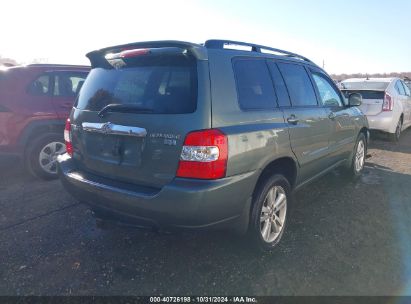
(404, 99)
(158, 98)
(308, 122)
(65, 88)
(408, 102)
(38, 99)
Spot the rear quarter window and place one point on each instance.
(254, 85)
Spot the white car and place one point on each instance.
(385, 101)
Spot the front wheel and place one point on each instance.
(269, 212)
(358, 159)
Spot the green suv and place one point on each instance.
(171, 134)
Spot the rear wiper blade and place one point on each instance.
(114, 107)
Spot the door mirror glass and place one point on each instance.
(354, 100)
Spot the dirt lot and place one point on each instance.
(343, 238)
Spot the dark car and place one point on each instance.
(172, 135)
(35, 101)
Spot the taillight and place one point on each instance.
(204, 155)
(67, 137)
(127, 53)
(388, 103)
(134, 53)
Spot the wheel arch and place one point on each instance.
(286, 166)
(38, 128)
(365, 131)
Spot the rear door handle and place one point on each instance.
(292, 120)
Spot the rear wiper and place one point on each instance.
(114, 107)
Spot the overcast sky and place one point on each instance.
(350, 36)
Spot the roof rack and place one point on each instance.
(220, 44)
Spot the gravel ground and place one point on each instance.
(343, 238)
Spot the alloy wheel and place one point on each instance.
(360, 156)
(48, 156)
(273, 214)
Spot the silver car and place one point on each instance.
(385, 101)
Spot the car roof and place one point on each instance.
(50, 67)
(376, 79)
(200, 50)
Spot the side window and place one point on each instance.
(280, 88)
(399, 88)
(329, 96)
(68, 84)
(254, 85)
(406, 88)
(299, 84)
(40, 86)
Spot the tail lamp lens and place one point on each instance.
(204, 155)
(388, 103)
(67, 137)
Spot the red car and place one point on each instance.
(35, 100)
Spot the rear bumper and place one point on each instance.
(183, 203)
(384, 121)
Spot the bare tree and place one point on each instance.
(340, 77)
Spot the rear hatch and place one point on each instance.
(372, 91)
(134, 110)
(371, 100)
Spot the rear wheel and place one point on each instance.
(41, 155)
(396, 136)
(269, 212)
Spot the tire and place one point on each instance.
(395, 137)
(276, 219)
(359, 154)
(40, 155)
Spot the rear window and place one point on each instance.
(365, 94)
(365, 85)
(166, 85)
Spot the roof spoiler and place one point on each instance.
(97, 58)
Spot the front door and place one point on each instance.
(342, 132)
(406, 103)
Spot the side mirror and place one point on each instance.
(354, 100)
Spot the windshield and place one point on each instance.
(165, 86)
(365, 85)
